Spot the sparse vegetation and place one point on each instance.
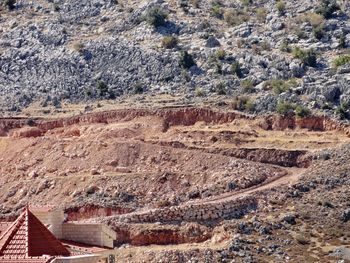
(327, 8)
(199, 92)
(242, 103)
(156, 17)
(220, 89)
(220, 54)
(102, 88)
(281, 7)
(307, 57)
(186, 60)
(261, 14)
(302, 112)
(285, 108)
(343, 111)
(78, 46)
(216, 10)
(236, 69)
(341, 61)
(235, 17)
(279, 86)
(247, 85)
(318, 32)
(169, 42)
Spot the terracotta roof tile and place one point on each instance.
(28, 237)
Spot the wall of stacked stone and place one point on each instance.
(192, 212)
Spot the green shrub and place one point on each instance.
(186, 60)
(247, 85)
(307, 57)
(242, 103)
(341, 61)
(235, 17)
(343, 111)
(156, 17)
(236, 69)
(220, 89)
(102, 88)
(279, 86)
(169, 42)
(220, 54)
(327, 8)
(216, 11)
(281, 7)
(302, 112)
(285, 108)
(285, 46)
(10, 4)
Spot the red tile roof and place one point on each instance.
(28, 237)
(27, 260)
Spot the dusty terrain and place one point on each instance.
(214, 184)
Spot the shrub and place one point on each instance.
(10, 4)
(341, 61)
(281, 7)
(318, 32)
(285, 46)
(138, 88)
(279, 86)
(220, 89)
(220, 54)
(247, 85)
(343, 111)
(186, 60)
(156, 17)
(242, 103)
(261, 14)
(307, 57)
(78, 46)
(169, 42)
(327, 8)
(246, 2)
(302, 112)
(195, 3)
(216, 11)
(285, 108)
(199, 92)
(102, 88)
(236, 69)
(235, 17)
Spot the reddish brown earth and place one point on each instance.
(122, 161)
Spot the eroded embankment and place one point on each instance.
(175, 116)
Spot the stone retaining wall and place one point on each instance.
(195, 212)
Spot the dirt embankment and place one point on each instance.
(171, 117)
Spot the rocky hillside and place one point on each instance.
(261, 55)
